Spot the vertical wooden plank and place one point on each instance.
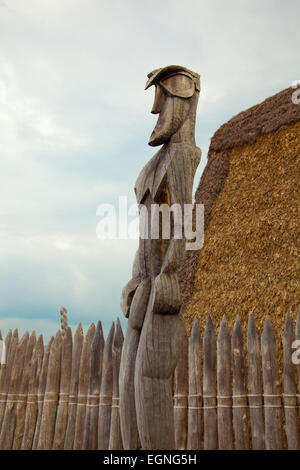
(255, 387)
(225, 435)
(23, 394)
(180, 396)
(11, 343)
(77, 351)
(41, 392)
(4, 348)
(84, 379)
(195, 388)
(272, 389)
(106, 390)
(290, 387)
(298, 365)
(51, 395)
(32, 402)
(209, 387)
(9, 420)
(115, 440)
(90, 438)
(240, 401)
(65, 378)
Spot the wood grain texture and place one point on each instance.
(11, 342)
(115, 440)
(106, 392)
(77, 351)
(240, 401)
(83, 387)
(298, 356)
(272, 389)
(181, 397)
(65, 379)
(290, 387)
(195, 389)
(225, 432)
(255, 387)
(41, 393)
(23, 396)
(10, 416)
(32, 402)
(90, 435)
(209, 387)
(51, 397)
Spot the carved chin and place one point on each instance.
(171, 118)
(163, 131)
(159, 138)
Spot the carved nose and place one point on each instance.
(158, 100)
(155, 109)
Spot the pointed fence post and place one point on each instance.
(115, 441)
(23, 394)
(32, 402)
(240, 399)
(51, 395)
(298, 355)
(225, 435)
(84, 380)
(90, 438)
(255, 393)
(195, 389)
(77, 351)
(65, 378)
(41, 393)
(290, 387)
(209, 387)
(181, 397)
(11, 344)
(3, 369)
(272, 389)
(106, 392)
(9, 420)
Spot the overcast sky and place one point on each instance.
(75, 121)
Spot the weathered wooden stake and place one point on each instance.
(5, 375)
(195, 388)
(77, 351)
(90, 437)
(255, 387)
(106, 391)
(9, 420)
(224, 388)
(209, 387)
(181, 397)
(51, 395)
(65, 379)
(83, 388)
(272, 389)
(115, 440)
(41, 393)
(23, 394)
(290, 388)
(240, 401)
(32, 402)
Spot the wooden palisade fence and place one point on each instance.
(66, 395)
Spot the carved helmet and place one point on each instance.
(162, 77)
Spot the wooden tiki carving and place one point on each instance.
(151, 300)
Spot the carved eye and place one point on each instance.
(178, 85)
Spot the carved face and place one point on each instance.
(172, 102)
